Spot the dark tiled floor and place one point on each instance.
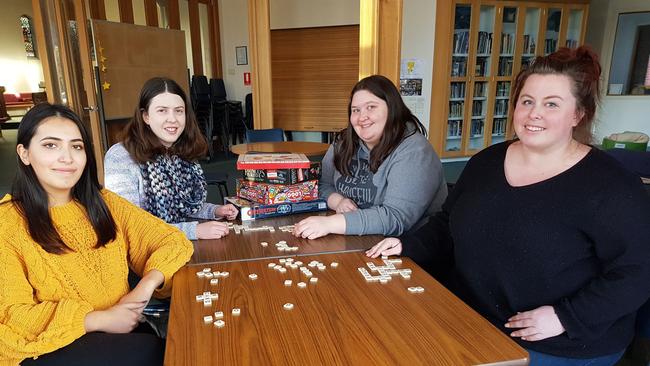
(220, 163)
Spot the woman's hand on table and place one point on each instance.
(536, 324)
(388, 246)
(211, 230)
(346, 205)
(316, 226)
(228, 211)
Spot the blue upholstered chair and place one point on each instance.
(268, 135)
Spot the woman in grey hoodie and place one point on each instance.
(380, 175)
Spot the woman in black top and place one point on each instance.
(549, 236)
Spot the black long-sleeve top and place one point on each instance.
(579, 241)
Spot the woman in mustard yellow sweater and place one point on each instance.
(66, 247)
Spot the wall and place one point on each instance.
(233, 27)
(418, 34)
(17, 72)
(617, 113)
(313, 13)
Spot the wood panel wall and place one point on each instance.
(150, 52)
(98, 11)
(313, 71)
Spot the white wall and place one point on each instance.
(618, 113)
(17, 72)
(233, 27)
(313, 13)
(418, 34)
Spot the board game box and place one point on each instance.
(268, 194)
(283, 176)
(272, 161)
(250, 210)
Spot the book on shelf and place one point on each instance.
(272, 161)
(499, 126)
(461, 41)
(457, 90)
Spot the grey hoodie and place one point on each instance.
(408, 186)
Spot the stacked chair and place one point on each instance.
(214, 114)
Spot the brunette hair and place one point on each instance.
(582, 67)
(395, 130)
(30, 198)
(143, 145)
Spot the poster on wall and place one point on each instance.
(412, 68)
(410, 87)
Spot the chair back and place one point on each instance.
(39, 97)
(4, 116)
(249, 110)
(268, 135)
(637, 162)
(217, 90)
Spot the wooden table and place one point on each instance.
(341, 319)
(246, 246)
(304, 147)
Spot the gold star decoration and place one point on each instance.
(103, 68)
(106, 85)
(103, 59)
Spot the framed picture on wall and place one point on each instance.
(242, 55)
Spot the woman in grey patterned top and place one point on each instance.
(156, 168)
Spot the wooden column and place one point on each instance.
(195, 36)
(126, 11)
(41, 46)
(87, 76)
(174, 14)
(97, 9)
(380, 38)
(215, 39)
(259, 33)
(151, 12)
(441, 60)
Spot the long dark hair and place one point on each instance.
(143, 145)
(30, 198)
(347, 141)
(582, 67)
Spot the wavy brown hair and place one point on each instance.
(581, 66)
(143, 145)
(347, 141)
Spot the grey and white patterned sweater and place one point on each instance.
(122, 175)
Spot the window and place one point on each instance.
(629, 73)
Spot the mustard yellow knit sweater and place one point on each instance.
(45, 297)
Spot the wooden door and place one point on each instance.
(62, 37)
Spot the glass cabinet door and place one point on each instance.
(482, 74)
(460, 52)
(500, 115)
(484, 43)
(530, 36)
(479, 111)
(459, 64)
(455, 118)
(575, 28)
(508, 33)
(553, 21)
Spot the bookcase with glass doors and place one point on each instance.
(480, 47)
